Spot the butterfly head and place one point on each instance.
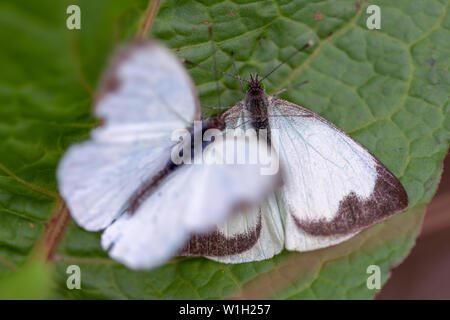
(255, 86)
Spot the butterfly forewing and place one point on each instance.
(333, 187)
(123, 179)
(146, 84)
(139, 101)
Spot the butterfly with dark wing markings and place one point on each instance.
(123, 179)
(333, 187)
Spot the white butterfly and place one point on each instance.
(333, 187)
(122, 179)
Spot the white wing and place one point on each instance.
(146, 85)
(97, 179)
(144, 96)
(193, 198)
(252, 235)
(333, 187)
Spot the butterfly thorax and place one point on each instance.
(256, 102)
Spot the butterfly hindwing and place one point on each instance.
(251, 235)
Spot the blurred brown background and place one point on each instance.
(425, 274)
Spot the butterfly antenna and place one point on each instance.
(235, 70)
(310, 43)
(212, 69)
(213, 47)
(298, 84)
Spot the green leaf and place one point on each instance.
(30, 281)
(388, 88)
